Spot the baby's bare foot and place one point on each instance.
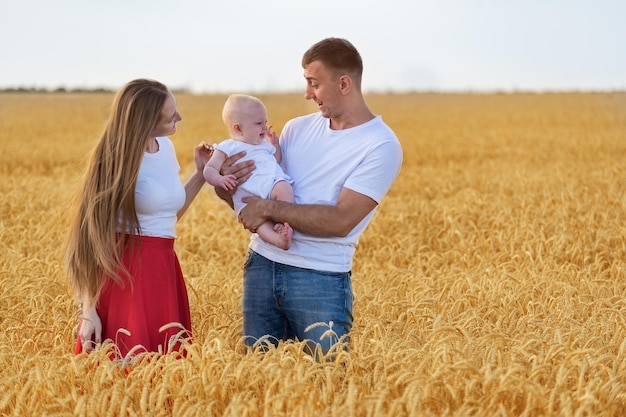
(285, 232)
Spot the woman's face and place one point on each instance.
(169, 118)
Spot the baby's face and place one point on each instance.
(254, 125)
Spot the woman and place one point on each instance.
(120, 255)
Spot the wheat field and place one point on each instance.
(491, 282)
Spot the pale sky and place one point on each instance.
(210, 46)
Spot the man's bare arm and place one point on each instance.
(312, 219)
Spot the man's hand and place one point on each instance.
(251, 216)
(242, 170)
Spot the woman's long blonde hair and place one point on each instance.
(104, 210)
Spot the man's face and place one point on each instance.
(323, 87)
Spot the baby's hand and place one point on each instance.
(272, 137)
(228, 182)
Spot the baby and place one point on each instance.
(246, 119)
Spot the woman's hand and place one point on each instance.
(201, 154)
(90, 329)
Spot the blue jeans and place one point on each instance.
(281, 301)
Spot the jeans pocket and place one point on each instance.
(348, 295)
(248, 260)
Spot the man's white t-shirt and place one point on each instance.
(321, 162)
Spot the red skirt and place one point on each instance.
(153, 308)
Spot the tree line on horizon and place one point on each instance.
(68, 90)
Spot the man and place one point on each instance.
(342, 160)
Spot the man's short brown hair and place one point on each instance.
(338, 55)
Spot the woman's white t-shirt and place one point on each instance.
(160, 193)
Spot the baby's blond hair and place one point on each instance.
(236, 109)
